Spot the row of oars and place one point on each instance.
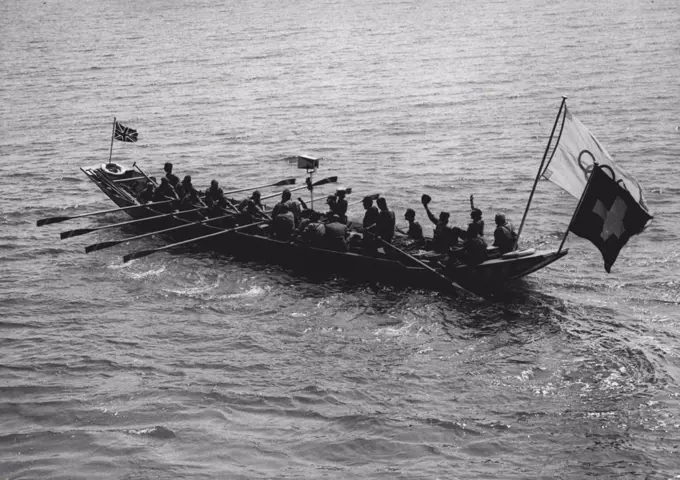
(175, 214)
(151, 205)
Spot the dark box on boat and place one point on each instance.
(308, 162)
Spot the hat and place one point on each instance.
(500, 219)
(341, 190)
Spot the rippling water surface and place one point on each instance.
(192, 365)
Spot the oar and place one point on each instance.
(143, 173)
(144, 253)
(83, 231)
(288, 181)
(323, 181)
(47, 221)
(419, 262)
(113, 243)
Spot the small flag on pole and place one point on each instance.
(608, 215)
(125, 134)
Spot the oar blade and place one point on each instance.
(75, 233)
(324, 181)
(288, 181)
(103, 245)
(48, 221)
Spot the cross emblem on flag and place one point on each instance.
(613, 218)
(608, 215)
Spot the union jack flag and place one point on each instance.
(125, 134)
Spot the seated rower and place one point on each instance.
(252, 207)
(504, 235)
(186, 187)
(311, 230)
(191, 201)
(336, 234)
(283, 224)
(146, 195)
(164, 191)
(290, 204)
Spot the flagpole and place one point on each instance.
(580, 201)
(540, 169)
(113, 133)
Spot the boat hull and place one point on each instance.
(390, 267)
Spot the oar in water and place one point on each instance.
(83, 231)
(441, 277)
(47, 221)
(113, 243)
(323, 181)
(144, 253)
(288, 181)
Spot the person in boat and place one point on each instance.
(312, 230)
(185, 187)
(251, 208)
(443, 237)
(473, 252)
(504, 236)
(283, 223)
(291, 205)
(415, 230)
(214, 198)
(172, 178)
(369, 222)
(386, 221)
(336, 234)
(146, 195)
(191, 200)
(339, 205)
(165, 191)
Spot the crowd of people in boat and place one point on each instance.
(291, 220)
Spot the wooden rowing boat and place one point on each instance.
(419, 269)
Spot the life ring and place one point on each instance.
(519, 253)
(113, 169)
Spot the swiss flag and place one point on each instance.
(608, 215)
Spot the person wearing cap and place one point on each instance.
(339, 206)
(504, 236)
(443, 237)
(172, 178)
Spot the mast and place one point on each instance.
(540, 169)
